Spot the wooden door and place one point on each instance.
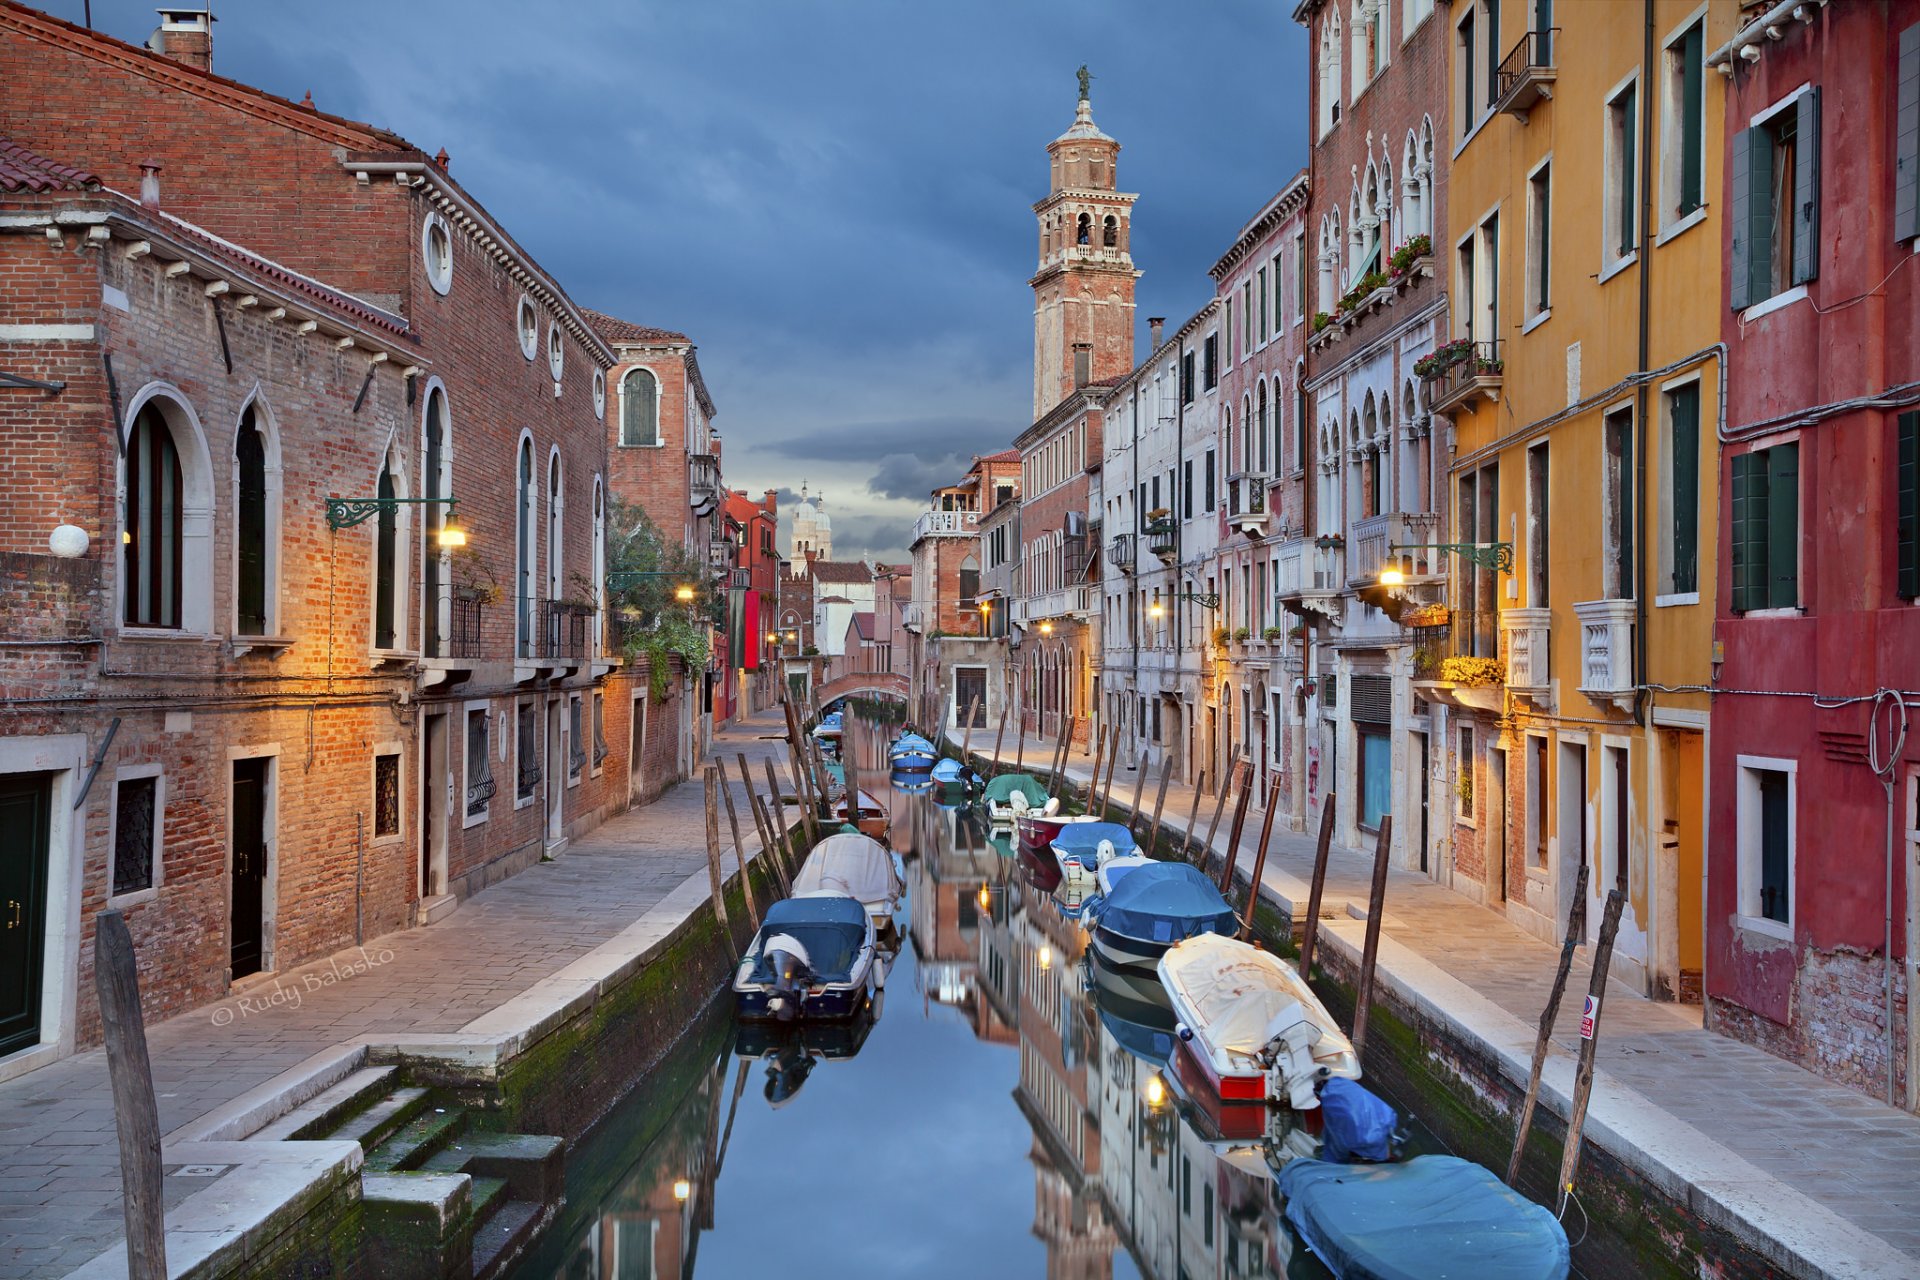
(249, 876)
(25, 818)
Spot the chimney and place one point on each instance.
(150, 183)
(186, 36)
(1154, 325)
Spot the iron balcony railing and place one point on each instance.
(1120, 552)
(1526, 74)
(1463, 370)
(556, 628)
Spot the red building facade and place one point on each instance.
(1811, 907)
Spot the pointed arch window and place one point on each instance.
(436, 603)
(639, 408)
(1083, 233)
(555, 528)
(523, 568)
(250, 531)
(386, 562)
(153, 539)
(1110, 235)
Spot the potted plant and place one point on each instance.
(1240, 635)
(1472, 673)
(1220, 637)
(1297, 631)
(476, 578)
(1406, 255)
(1330, 541)
(1321, 320)
(1272, 634)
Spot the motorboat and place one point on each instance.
(1428, 1216)
(1012, 794)
(1115, 869)
(812, 958)
(1038, 869)
(911, 753)
(1088, 844)
(1151, 907)
(1038, 828)
(791, 1051)
(858, 866)
(951, 773)
(830, 727)
(1249, 1021)
(909, 783)
(865, 815)
(1135, 1013)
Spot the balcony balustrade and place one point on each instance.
(1526, 75)
(1163, 537)
(1461, 372)
(1120, 552)
(703, 477)
(946, 524)
(1528, 634)
(1373, 536)
(1606, 648)
(555, 629)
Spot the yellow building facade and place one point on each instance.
(1584, 385)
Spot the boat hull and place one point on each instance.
(1135, 956)
(911, 761)
(830, 1005)
(1237, 1117)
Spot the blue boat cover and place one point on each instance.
(1166, 902)
(832, 927)
(1431, 1218)
(1082, 840)
(1359, 1123)
(1152, 1045)
(947, 771)
(911, 742)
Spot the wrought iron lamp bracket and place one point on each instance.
(1497, 556)
(344, 513)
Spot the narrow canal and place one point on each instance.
(1007, 1112)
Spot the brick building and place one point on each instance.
(758, 524)
(438, 717)
(947, 600)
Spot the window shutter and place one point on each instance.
(1692, 121)
(1806, 189)
(1907, 502)
(1783, 526)
(1686, 488)
(1739, 286)
(1748, 538)
(1906, 133)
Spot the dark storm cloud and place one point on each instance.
(833, 199)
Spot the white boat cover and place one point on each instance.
(1238, 999)
(856, 865)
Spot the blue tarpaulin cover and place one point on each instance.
(1431, 1218)
(1167, 902)
(1081, 841)
(947, 771)
(1359, 1123)
(831, 926)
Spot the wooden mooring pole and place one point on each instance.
(714, 874)
(136, 1115)
(1370, 955)
(739, 845)
(780, 812)
(1020, 739)
(1233, 836)
(1099, 754)
(1220, 803)
(1318, 886)
(1159, 801)
(1260, 856)
(1193, 816)
(999, 735)
(1576, 933)
(1589, 1038)
(1113, 758)
(966, 734)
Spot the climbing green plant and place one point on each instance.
(653, 622)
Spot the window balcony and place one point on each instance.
(703, 478)
(1528, 633)
(1527, 74)
(1461, 372)
(1606, 649)
(467, 609)
(1163, 537)
(1374, 535)
(950, 524)
(556, 629)
(1120, 552)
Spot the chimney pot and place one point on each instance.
(186, 36)
(1154, 326)
(150, 183)
(441, 159)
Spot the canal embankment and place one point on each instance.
(525, 1013)
(1702, 1156)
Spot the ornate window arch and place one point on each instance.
(639, 408)
(166, 497)
(258, 497)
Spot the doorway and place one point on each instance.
(435, 804)
(247, 894)
(556, 774)
(637, 750)
(1421, 801)
(26, 816)
(1496, 819)
(1571, 827)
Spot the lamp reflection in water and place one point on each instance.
(1155, 1091)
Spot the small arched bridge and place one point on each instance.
(883, 683)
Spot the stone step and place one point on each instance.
(417, 1222)
(421, 1138)
(372, 1126)
(317, 1116)
(489, 1197)
(532, 1164)
(502, 1238)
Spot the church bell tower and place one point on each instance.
(1083, 291)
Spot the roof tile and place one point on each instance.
(22, 170)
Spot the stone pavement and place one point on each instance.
(59, 1158)
(1845, 1151)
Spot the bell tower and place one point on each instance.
(1083, 291)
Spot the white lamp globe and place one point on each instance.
(68, 541)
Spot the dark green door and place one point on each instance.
(25, 812)
(249, 864)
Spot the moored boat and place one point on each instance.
(1150, 908)
(1114, 870)
(1012, 794)
(1250, 1022)
(1041, 828)
(812, 958)
(865, 815)
(1088, 844)
(858, 866)
(911, 753)
(1431, 1216)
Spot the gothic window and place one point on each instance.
(435, 604)
(250, 532)
(639, 408)
(152, 544)
(386, 562)
(1084, 230)
(1260, 432)
(523, 570)
(1110, 237)
(555, 528)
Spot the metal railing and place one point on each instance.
(945, 522)
(556, 628)
(1524, 65)
(1120, 552)
(1475, 366)
(1373, 536)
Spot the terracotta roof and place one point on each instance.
(614, 329)
(1005, 455)
(863, 625)
(840, 571)
(22, 170)
(835, 600)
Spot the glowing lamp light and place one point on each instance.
(1156, 610)
(1046, 628)
(682, 1190)
(1392, 577)
(683, 593)
(452, 536)
(986, 899)
(1044, 956)
(1156, 1091)
(986, 606)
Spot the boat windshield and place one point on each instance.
(832, 948)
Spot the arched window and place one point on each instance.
(556, 529)
(639, 408)
(386, 561)
(1083, 233)
(1261, 432)
(599, 564)
(436, 604)
(152, 545)
(523, 568)
(250, 526)
(1110, 237)
(1330, 69)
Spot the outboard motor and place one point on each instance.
(792, 969)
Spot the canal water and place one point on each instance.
(1004, 1114)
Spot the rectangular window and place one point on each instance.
(1156, 494)
(1619, 208)
(386, 795)
(576, 739)
(1539, 241)
(1681, 559)
(1463, 790)
(1186, 489)
(1766, 528)
(1776, 202)
(1490, 263)
(1906, 138)
(1210, 362)
(136, 842)
(1907, 504)
(1493, 51)
(1209, 481)
(599, 730)
(1469, 98)
(1186, 378)
(1262, 275)
(1228, 345)
(1683, 166)
(1299, 277)
(1766, 835)
(528, 770)
(1376, 779)
(1279, 297)
(1539, 523)
(1246, 313)
(1466, 282)
(1140, 509)
(480, 786)
(1616, 482)
(1537, 799)
(1082, 364)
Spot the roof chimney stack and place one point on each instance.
(1154, 325)
(150, 183)
(186, 36)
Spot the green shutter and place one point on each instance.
(1750, 280)
(1806, 189)
(1748, 538)
(1685, 463)
(1629, 170)
(1906, 487)
(1692, 124)
(1906, 134)
(1783, 526)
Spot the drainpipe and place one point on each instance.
(1639, 524)
(1133, 494)
(1177, 506)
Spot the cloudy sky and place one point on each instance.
(832, 197)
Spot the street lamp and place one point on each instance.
(344, 513)
(1046, 628)
(1156, 610)
(1497, 556)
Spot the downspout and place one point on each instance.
(1133, 495)
(1180, 497)
(1639, 521)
